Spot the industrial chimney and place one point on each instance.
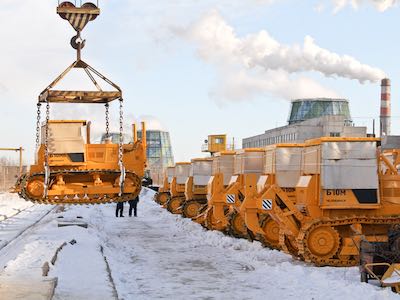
(385, 107)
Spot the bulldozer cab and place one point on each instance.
(201, 171)
(68, 139)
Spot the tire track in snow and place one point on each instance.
(110, 277)
(24, 230)
(18, 211)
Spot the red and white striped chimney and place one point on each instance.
(385, 107)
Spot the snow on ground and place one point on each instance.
(80, 268)
(20, 216)
(163, 256)
(11, 204)
(159, 255)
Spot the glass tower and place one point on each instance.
(159, 153)
(305, 109)
(159, 150)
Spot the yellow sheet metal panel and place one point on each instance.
(182, 172)
(269, 161)
(64, 137)
(349, 150)
(224, 164)
(201, 171)
(170, 173)
(311, 163)
(288, 166)
(249, 162)
(349, 165)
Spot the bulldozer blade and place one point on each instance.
(253, 223)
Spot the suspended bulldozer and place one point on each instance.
(68, 168)
(346, 193)
(177, 187)
(196, 187)
(282, 164)
(163, 194)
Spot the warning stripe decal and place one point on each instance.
(230, 198)
(78, 21)
(267, 204)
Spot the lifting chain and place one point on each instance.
(46, 151)
(107, 120)
(121, 129)
(46, 141)
(120, 150)
(38, 126)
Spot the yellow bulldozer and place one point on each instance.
(221, 172)
(281, 166)
(163, 194)
(196, 187)
(348, 191)
(79, 172)
(225, 200)
(177, 188)
(69, 169)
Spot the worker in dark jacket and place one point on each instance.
(133, 206)
(120, 210)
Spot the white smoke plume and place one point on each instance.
(259, 63)
(380, 5)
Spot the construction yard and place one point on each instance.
(263, 208)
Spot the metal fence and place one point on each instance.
(8, 176)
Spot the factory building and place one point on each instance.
(308, 119)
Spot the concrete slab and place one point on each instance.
(65, 223)
(29, 289)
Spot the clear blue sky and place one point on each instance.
(135, 43)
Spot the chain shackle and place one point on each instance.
(38, 126)
(46, 152)
(120, 149)
(46, 141)
(107, 106)
(121, 129)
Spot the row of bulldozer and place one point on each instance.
(318, 201)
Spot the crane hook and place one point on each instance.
(77, 42)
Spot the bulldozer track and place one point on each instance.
(287, 246)
(209, 221)
(78, 198)
(174, 204)
(305, 231)
(263, 239)
(232, 230)
(157, 197)
(187, 208)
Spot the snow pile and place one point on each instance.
(80, 268)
